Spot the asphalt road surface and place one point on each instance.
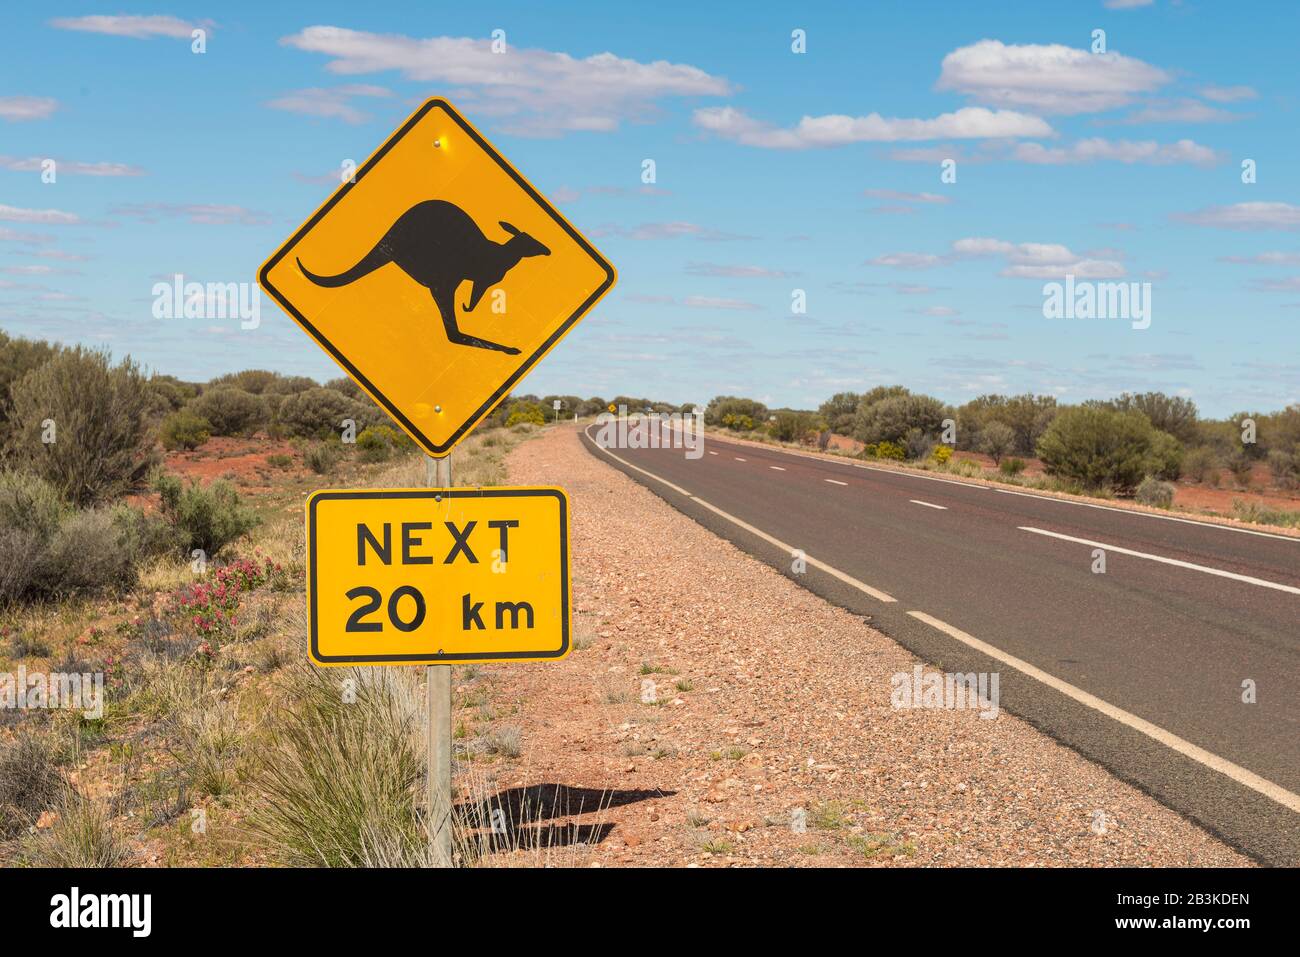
(1142, 667)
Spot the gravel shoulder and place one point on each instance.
(768, 737)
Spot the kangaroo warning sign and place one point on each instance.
(437, 576)
(437, 276)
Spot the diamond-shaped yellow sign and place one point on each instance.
(437, 277)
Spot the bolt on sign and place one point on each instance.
(437, 576)
(437, 277)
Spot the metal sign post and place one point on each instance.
(437, 474)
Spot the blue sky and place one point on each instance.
(775, 171)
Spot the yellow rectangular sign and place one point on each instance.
(437, 576)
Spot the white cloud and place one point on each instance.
(1121, 151)
(1245, 216)
(713, 302)
(906, 260)
(207, 214)
(673, 230)
(1228, 94)
(540, 90)
(32, 164)
(839, 130)
(332, 103)
(13, 214)
(1264, 259)
(1042, 260)
(1050, 78)
(1126, 4)
(902, 197)
(139, 28)
(1180, 111)
(1289, 284)
(735, 272)
(15, 109)
(27, 239)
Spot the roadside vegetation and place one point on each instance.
(1143, 447)
(151, 533)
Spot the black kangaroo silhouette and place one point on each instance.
(438, 245)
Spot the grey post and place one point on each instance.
(437, 474)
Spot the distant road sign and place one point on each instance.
(437, 277)
(437, 576)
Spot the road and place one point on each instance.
(1142, 667)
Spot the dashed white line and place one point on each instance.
(837, 482)
(711, 452)
(917, 501)
(1166, 561)
(739, 459)
(1237, 773)
(776, 468)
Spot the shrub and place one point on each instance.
(1240, 464)
(102, 446)
(1199, 463)
(322, 457)
(793, 426)
(1012, 466)
(17, 358)
(378, 442)
(918, 444)
(839, 411)
(1099, 448)
(208, 518)
(1172, 414)
(82, 836)
(336, 778)
(319, 413)
(1152, 491)
(996, 440)
(526, 412)
(230, 411)
(185, 430)
(1167, 456)
(279, 461)
(254, 381)
(30, 781)
(885, 450)
(1285, 467)
(347, 387)
(716, 412)
(738, 422)
(49, 549)
(891, 418)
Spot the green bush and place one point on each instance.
(996, 439)
(891, 418)
(30, 781)
(1012, 466)
(17, 358)
(1100, 448)
(526, 412)
(1199, 463)
(792, 426)
(1285, 467)
(231, 411)
(208, 518)
(184, 430)
(716, 412)
(49, 549)
(885, 450)
(378, 442)
(255, 381)
(322, 457)
(97, 417)
(738, 422)
(1152, 491)
(1241, 464)
(319, 413)
(942, 454)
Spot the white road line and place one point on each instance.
(917, 501)
(828, 569)
(863, 587)
(777, 468)
(1250, 779)
(836, 482)
(1131, 511)
(1167, 561)
(675, 488)
(711, 452)
(907, 473)
(739, 459)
